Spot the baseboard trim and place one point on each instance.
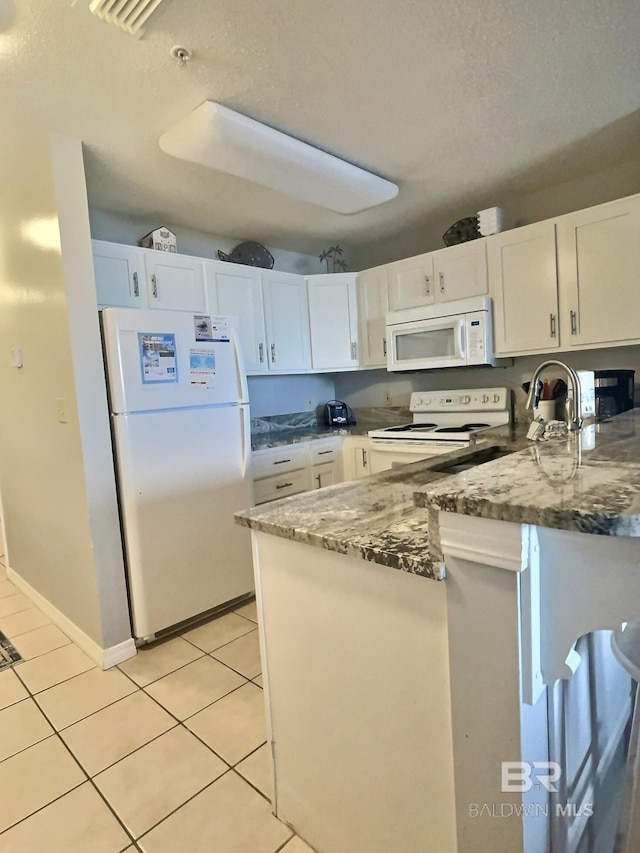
(105, 658)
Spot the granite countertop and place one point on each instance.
(374, 518)
(304, 426)
(588, 482)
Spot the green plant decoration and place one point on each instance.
(331, 254)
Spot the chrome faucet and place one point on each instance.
(574, 394)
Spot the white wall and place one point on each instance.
(51, 513)
(280, 395)
(122, 229)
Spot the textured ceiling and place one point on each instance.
(463, 107)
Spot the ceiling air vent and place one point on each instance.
(129, 15)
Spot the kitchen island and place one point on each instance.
(394, 700)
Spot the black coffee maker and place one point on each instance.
(614, 392)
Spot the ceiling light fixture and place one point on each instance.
(222, 139)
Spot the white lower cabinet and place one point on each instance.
(295, 468)
(333, 321)
(356, 452)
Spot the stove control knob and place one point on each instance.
(485, 398)
(418, 401)
(496, 398)
(466, 399)
(427, 401)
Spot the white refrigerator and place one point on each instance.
(182, 445)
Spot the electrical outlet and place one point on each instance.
(387, 399)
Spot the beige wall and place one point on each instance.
(597, 188)
(55, 524)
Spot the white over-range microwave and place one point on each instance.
(451, 334)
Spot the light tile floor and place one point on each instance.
(166, 753)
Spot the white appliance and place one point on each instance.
(442, 421)
(181, 432)
(452, 334)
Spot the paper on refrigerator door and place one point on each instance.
(157, 357)
(202, 367)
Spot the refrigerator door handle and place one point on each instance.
(243, 389)
(246, 439)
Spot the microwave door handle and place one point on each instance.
(461, 349)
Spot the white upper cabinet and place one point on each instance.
(236, 291)
(523, 283)
(175, 282)
(333, 320)
(119, 274)
(599, 263)
(287, 321)
(460, 271)
(411, 283)
(373, 305)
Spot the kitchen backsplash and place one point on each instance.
(367, 417)
(374, 387)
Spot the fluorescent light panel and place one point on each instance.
(222, 139)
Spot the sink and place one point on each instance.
(472, 460)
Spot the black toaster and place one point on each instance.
(337, 413)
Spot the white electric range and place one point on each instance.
(442, 421)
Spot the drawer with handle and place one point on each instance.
(325, 451)
(267, 463)
(272, 488)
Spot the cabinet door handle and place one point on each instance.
(324, 452)
(318, 481)
(364, 458)
(273, 353)
(261, 353)
(552, 325)
(284, 485)
(136, 288)
(281, 461)
(427, 285)
(154, 286)
(384, 347)
(574, 323)
(441, 282)
(354, 351)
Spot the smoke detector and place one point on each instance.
(128, 15)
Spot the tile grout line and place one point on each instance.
(87, 777)
(182, 722)
(222, 645)
(179, 722)
(282, 846)
(177, 809)
(204, 743)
